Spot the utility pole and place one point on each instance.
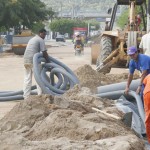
(61, 8)
(148, 16)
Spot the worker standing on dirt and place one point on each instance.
(140, 62)
(146, 98)
(145, 44)
(35, 45)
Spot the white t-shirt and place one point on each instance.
(35, 45)
(145, 44)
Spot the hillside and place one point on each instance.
(79, 5)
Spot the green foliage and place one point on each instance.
(66, 25)
(123, 19)
(3, 29)
(22, 12)
(37, 26)
(95, 23)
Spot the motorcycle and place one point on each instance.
(78, 50)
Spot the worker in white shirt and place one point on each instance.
(145, 44)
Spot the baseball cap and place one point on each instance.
(132, 50)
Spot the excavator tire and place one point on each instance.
(19, 51)
(105, 51)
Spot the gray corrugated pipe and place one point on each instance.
(126, 107)
(118, 86)
(65, 78)
(117, 94)
(49, 84)
(10, 95)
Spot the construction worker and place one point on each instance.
(146, 98)
(138, 22)
(145, 44)
(140, 62)
(35, 45)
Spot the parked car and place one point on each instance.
(60, 38)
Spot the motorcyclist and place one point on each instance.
(78, 40)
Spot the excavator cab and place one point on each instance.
(113, 46)
(127, 2)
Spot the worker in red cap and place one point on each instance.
(140, 62)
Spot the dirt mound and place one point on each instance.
(66, 122)
(88, 77)
(69, 121)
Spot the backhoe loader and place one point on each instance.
(114, 44)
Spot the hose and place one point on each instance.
(54, 78)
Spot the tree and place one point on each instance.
(62, 26)
(51, 14)
(94, 23)
(15, 13)
(37, 26)
(9, 15)
(123, 19)
(66, 25)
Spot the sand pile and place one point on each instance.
(88, 77)
(69, 121)
(66, 122)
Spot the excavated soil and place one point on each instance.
(70, 121)
(90, 78)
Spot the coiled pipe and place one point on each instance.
(59, 75)
(54, 78)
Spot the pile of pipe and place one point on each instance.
(126, 103)
(54, 78)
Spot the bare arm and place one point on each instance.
(130, 77)
(144, 74)
(45, 55)
(141, 51)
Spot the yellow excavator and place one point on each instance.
(113, 44)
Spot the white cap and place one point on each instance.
(77, 33)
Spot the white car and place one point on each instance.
(60, 38)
